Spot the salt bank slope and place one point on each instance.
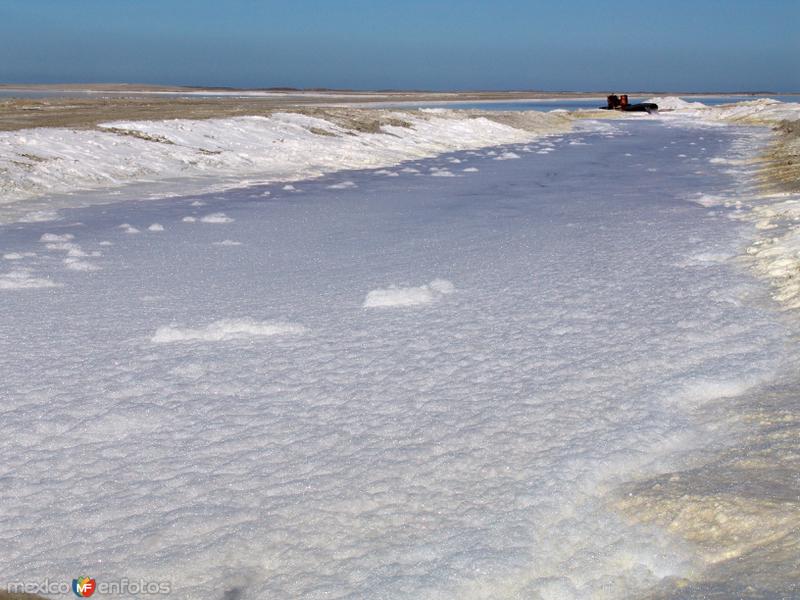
(282, 147)
(766, 167)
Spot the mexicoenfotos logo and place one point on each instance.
(84, 586)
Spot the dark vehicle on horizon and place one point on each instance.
(615, 102)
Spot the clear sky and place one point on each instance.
(679, 45)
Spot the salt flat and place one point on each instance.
(421, 381)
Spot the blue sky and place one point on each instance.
(679, 45)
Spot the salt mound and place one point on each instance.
(53, 237)
(75, 264)
(216, 218)
(20, 280)
(409, 296)
(39, 216)
(226, 329)
(17, 255)
(762, 109)
(674, 103)
(342, 185)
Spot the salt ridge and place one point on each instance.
(281, 147)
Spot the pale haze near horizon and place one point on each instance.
(730, 45)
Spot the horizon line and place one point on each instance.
(222, 88)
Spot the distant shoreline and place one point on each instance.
(84, 107)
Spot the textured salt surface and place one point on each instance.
(586, 326)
